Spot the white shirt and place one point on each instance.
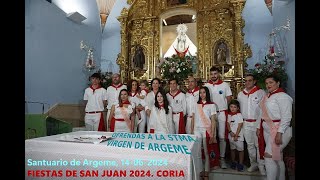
(95, 99)
(192, 98)
(209, 110)
(177, 102)
(150, 99)
(113, 95)
(249, 107)
(134, 99)
(218, 94)
(143, 101)
(118, 114)
(234, 122)
(160, 121)
(279, 106)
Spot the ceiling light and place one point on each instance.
(76, 17)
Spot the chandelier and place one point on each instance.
(104, 7)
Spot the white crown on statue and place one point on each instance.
(182, 29)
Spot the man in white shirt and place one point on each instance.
(113, 94)
(177, 101)
(95, 98)
(192, 97)
(221, 95)
(249, 100)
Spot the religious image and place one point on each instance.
(182, 45)
(139, 58)
(221, 54)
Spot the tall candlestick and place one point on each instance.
(222, 72)
(241, 68)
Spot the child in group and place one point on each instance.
(143, 89)
(203, 125)
(236, 137)
(141, 114)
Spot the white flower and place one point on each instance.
(178, 70)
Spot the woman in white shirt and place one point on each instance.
(161, 115)
(122, 114)
(203, 125)
(275, 129)
(140, 118)
(150, 99)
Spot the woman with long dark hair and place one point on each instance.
(122, 114)
(140, 118)
(161, 115)
(203, 125)
(150, 99)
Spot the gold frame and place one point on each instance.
(216, 20)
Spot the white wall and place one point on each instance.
(53, 58)
(258, 25)
(282, 10)
(111, 39)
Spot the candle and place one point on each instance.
(222, 72)
(241, 68)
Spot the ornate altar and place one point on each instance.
(219, 37)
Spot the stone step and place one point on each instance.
(230, 174)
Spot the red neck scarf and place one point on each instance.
(133, 94)
(253, 90)
(217, 83)
(276, 91)
(194, 90)
(161, 105)
(201, 102)
(93, 89)
(173, 96)
(147, 91)
(124, 102)
(116, 86)
(231, 113)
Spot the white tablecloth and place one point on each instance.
(182, 160)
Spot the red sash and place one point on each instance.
(182, 129)
(112, 124)
(205, 121)
(273, 130)
(213, 151)
(226, 132)
(261, 142)
(101, 127)
(126, 119)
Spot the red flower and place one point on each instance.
(257, 65)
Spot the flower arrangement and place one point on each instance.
(270, 66)
(178, 67)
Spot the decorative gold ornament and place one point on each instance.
(219, 24)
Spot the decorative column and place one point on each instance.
(238, 41)
(122, 56)
(237, 7)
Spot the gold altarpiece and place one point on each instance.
(217, 21)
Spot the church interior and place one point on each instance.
(67, 41)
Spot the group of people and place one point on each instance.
(208, 111)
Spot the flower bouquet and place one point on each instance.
(176, 67)
(270, 66)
